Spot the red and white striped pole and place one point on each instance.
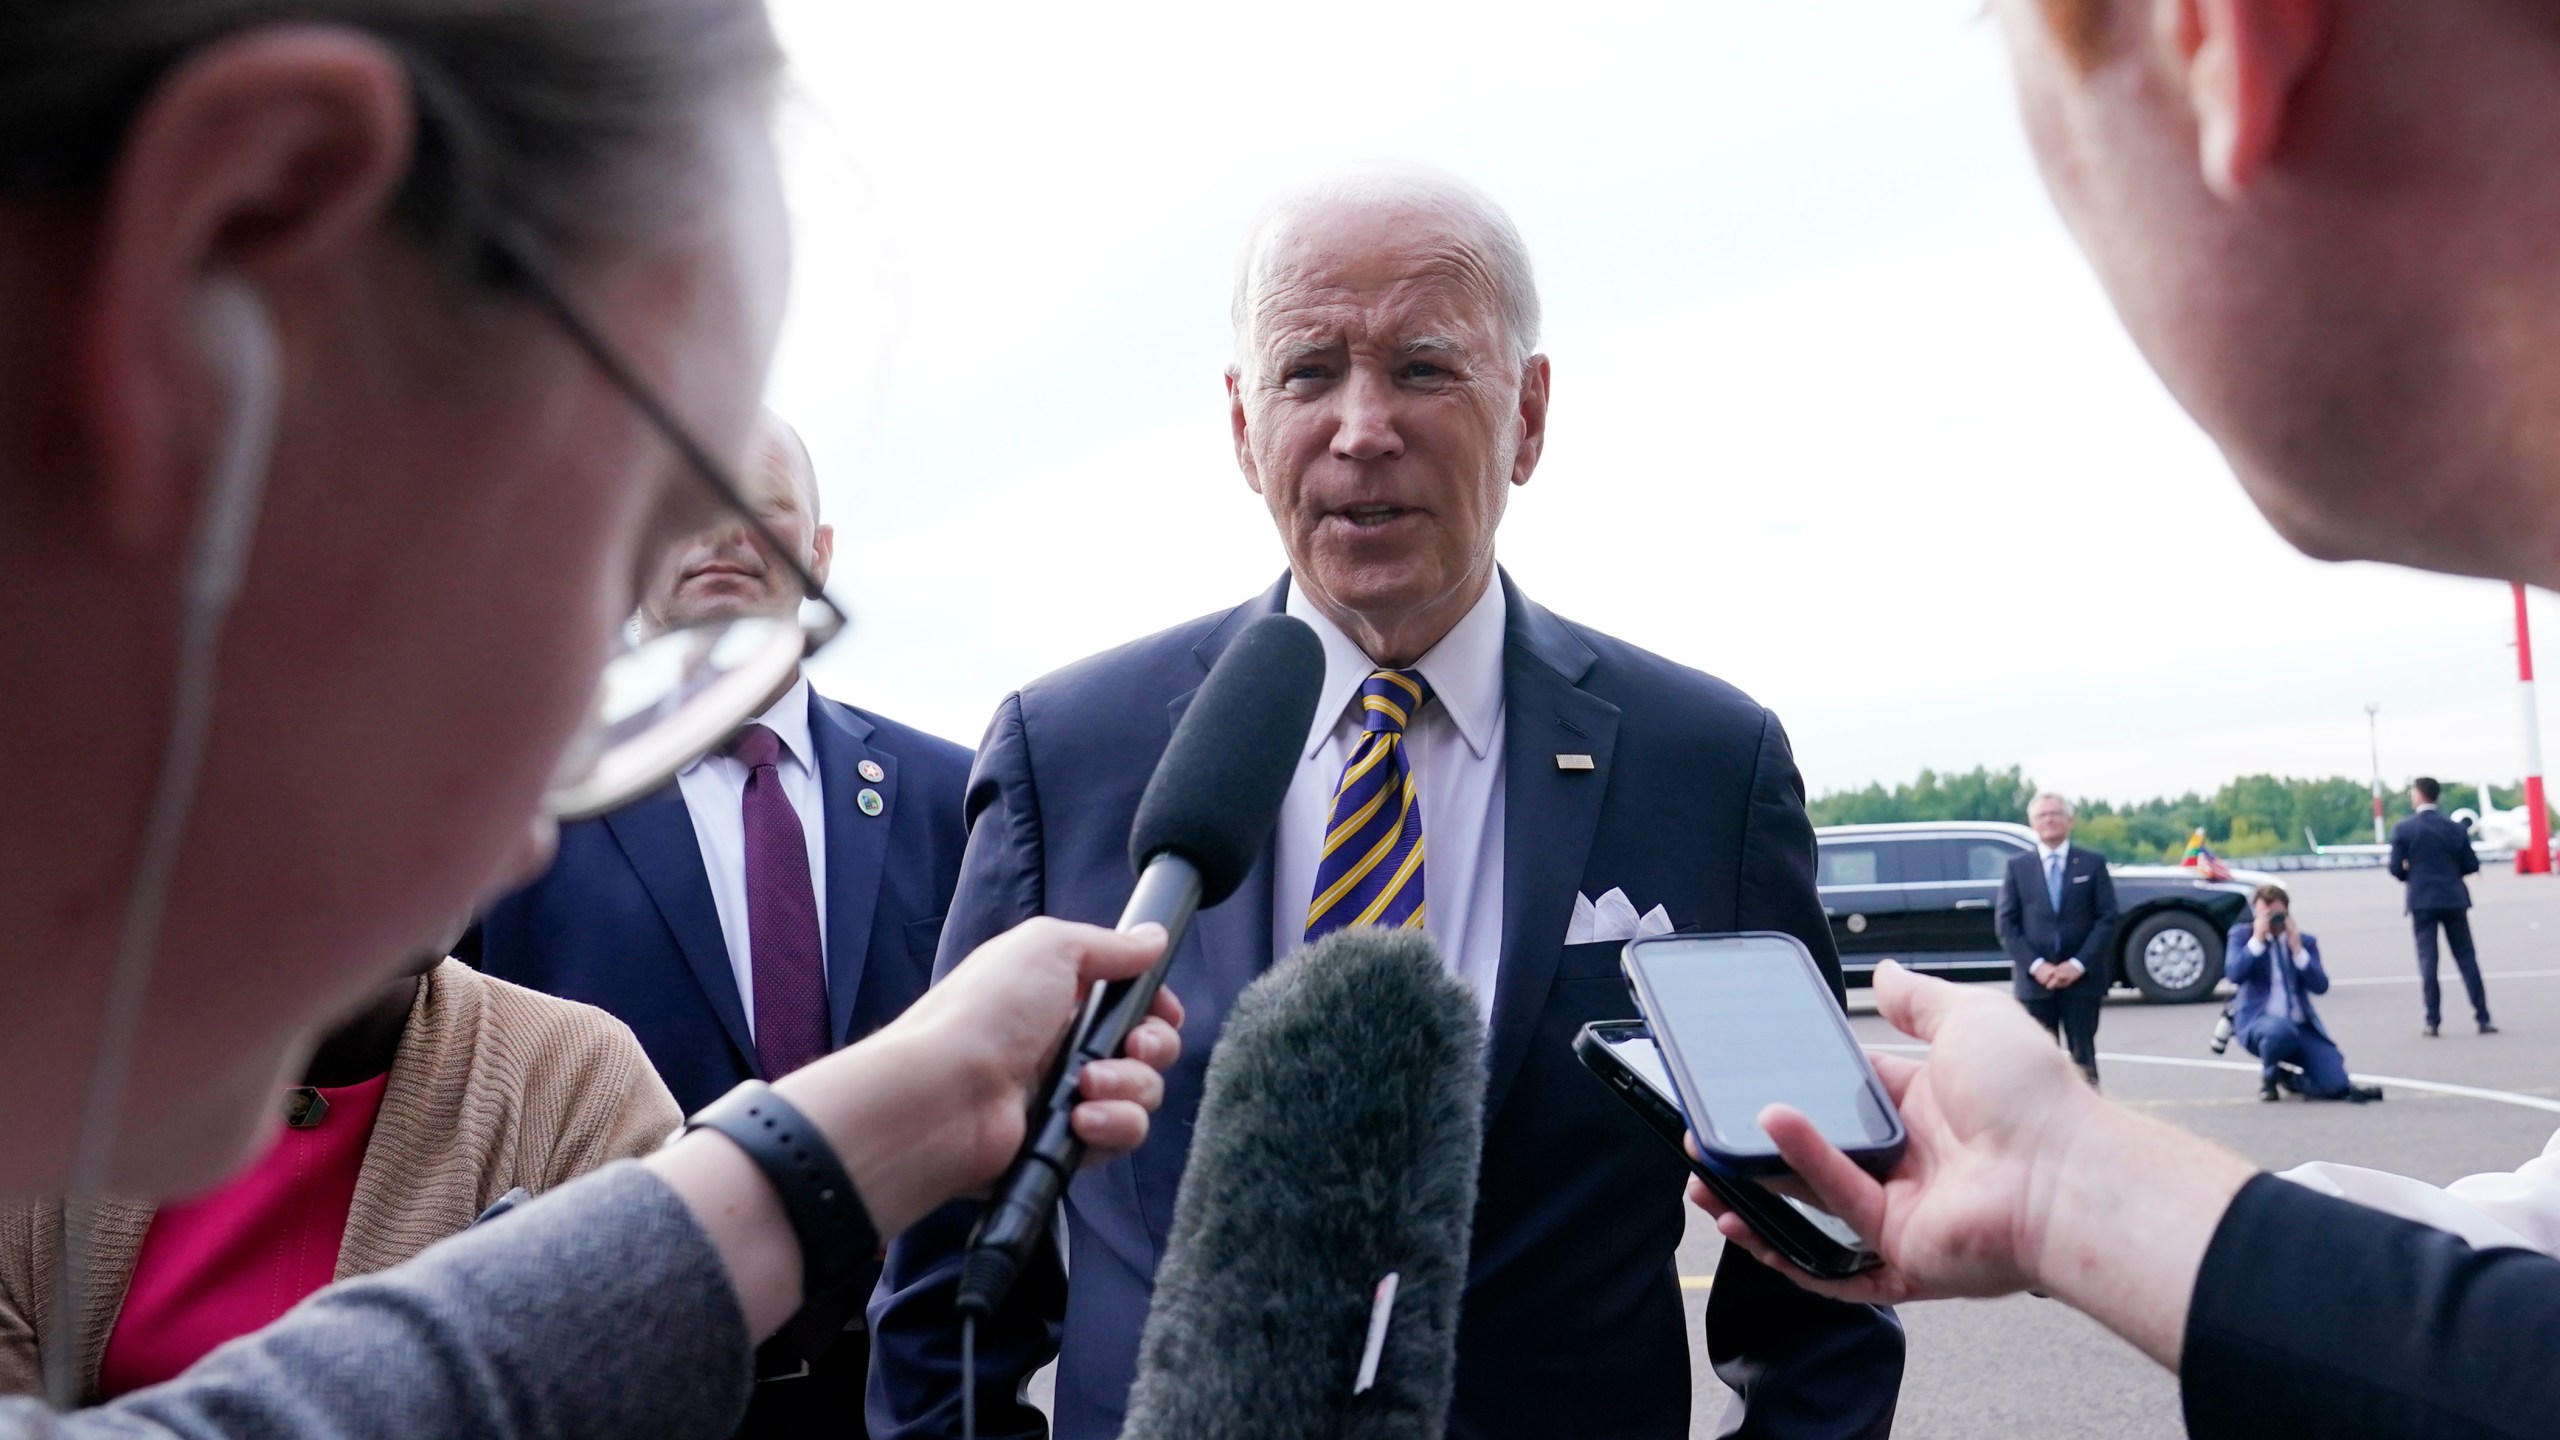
(2535, 857)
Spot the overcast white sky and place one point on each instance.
(1839, 414)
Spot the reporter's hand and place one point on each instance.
(2016, 1177)
(963, 1060)
(933, 1105)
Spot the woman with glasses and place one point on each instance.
(356, 357)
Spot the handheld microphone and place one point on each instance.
(1320, 1239)
(1206, 812)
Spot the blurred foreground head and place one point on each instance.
(457, 510)
(725, 572)
(2327, 224)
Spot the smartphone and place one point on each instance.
(1745, 1021)
(1622, 1053)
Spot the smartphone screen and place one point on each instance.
(1639, 1054)
(1756, 1026)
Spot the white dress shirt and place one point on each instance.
(1455, 748)
(715, 790)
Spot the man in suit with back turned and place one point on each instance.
(2057, 920)
(1386, 395)
(782, 899)
(2430, 854)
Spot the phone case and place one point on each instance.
(1770, 1217)
(1876, 1157)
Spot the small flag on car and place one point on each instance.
(2200, 856)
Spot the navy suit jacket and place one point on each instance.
(2085, 930)
(2432, 854)
(2255, 975)
(1572, 1321)
(624, 921)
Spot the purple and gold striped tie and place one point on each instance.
(1370, 871)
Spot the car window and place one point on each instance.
(1976, 859)
(1850, 864)
(1913, 861)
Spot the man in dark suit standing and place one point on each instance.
(2057, 920)
(1385, 398)
(783, 898)
(2430, 854)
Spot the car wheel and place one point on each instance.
(2173, 958)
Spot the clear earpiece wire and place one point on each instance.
(240, 341)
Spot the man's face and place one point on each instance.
(2051, 821)
(725, 572)
(1380, 411)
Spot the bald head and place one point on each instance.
(1309, 226)
(725, 572)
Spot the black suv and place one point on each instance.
(1924, 894)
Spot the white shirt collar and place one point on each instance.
(788, 719)
(1465, 668)
(2047, 852)
(2425, 805)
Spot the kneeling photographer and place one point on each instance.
(2277, 967)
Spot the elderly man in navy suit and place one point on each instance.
(2057, 920)
(2430, 854)
(782, 899)
(1477, 767)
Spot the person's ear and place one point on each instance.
(1534, 380)
(822, 553)
(2242, 62)
(254, 161)
(1243, 436)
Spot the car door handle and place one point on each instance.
(1973, 904)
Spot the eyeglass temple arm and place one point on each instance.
(645, 399)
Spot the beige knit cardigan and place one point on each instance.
(492, 1087)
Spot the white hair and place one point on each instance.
(2057, 798)
(1475, 221)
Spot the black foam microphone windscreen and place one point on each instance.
(1217, 790)
(1336, 1147)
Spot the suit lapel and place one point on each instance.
(656, 836)
(1228, 948)
(857, 848)
(2031, 880)
(1549, 818)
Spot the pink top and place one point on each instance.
(224, 1264)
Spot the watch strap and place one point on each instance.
(838, 1242)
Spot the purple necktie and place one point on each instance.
(789, 961)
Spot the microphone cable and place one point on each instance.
(968, 1377)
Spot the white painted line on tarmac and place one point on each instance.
(2251, 1067)
(2335, 981)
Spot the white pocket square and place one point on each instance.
(1612, 917)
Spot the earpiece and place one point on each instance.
(239, 338)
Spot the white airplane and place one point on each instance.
(2491, 829)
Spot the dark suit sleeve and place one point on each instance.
(2315, 976)
(2398, 864)
(2316, 1317)
(2011, 921)
(1804, 1366)
(2238, 965)
(2465, 858)
(2101, 939)
(914, 1388)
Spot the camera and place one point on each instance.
(2222, 1032)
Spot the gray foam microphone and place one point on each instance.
(1337, 1145)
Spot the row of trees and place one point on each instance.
(2252, 815)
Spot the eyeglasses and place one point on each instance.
(666, 700)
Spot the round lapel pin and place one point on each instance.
(872, 772)
(869, 800)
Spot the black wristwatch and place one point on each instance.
(838, 1242)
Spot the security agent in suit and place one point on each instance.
(2057, 920)
(780, 900)
(2277, 968)
(1386, 398)
(2430, 854)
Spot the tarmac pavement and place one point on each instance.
(2024, 1366)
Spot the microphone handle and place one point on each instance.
(1168, 894)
